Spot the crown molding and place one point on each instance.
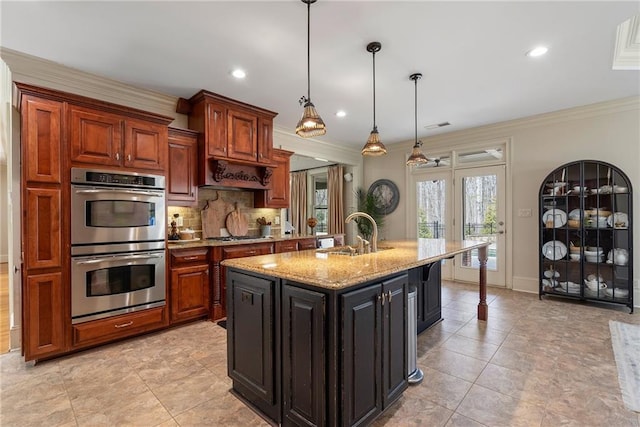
(507, 128)
(52, 75)
(330, 150)
(626, 55)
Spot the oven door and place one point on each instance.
(107, 285)
(113, 215)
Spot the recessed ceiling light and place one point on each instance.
(341, 113)
(238, 73)
(537, 51)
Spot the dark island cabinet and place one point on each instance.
(374, 349)
(427, 280)
(303, 356)
(310, 356)
(253, 341)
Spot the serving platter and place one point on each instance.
(558, 216)
(554, 250)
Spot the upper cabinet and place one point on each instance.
(105, 138)
(236, 140)
(182, 186)
(278, 195)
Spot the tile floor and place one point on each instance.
(534, 363)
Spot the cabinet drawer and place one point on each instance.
(188, 256)
(240, 251)
(118, 327)
(288, 246)
(307, 244)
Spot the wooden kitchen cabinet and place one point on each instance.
(304, 244)
(190, 285)
(182, 173)
(105, 138)
(278, 195)
(286, 246)
(45, 311)
(233, 132)
(219, 253)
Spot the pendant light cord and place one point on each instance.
(308, 52)
(374, 90)
(416, 108)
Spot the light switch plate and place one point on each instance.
(524, 213)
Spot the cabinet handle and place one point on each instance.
(129, 157)
(189, 258)
(117, 156)
(251, 252)
(124, 325)
(389, 295)
(381, 298)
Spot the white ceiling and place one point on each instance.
(471, 54)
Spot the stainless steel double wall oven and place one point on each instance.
(118, 228)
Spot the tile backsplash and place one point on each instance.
(191, 215)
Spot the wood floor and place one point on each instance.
(4, 308)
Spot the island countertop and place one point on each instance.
(337, 271)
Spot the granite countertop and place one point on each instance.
(328, 270)
(182, 244)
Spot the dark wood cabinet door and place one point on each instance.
(265, 140)
(253, 363)
(304, 244)
(43, 228)
(182, 186)
(145, 145)
(303, 356)
(394, 339)
(41, 139)
(189, 292)
(361, 355)
(44, 315)
(286, 246)
(95, 136)
(242, 134)
(215, 129)
(432, 300)
(278, 196)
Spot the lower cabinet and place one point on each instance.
(253, 341)
(374, 358)
(44, 316)
(309, 356)
(427, 279)
(304, 244)
(190, 284)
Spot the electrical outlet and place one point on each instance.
(524, 213)
(276, 220)
(179, 221)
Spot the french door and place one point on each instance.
(480, 215)
(462, 204)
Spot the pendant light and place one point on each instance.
(311, 123)
(416, 156)
(373, 146)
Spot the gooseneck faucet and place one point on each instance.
(374, 234)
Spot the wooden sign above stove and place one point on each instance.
(235, 145)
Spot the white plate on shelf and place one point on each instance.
(554, 250)
(618, 218)
(575, 214)
(558, 216)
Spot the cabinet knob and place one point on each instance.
(129, 157)
(117, 156)
(389, 295)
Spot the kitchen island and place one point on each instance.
(320, 337)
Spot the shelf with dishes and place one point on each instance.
(586, 233)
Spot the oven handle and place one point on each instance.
(136, 192)
(117, 258)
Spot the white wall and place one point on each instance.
(4, 218)
(607, 132)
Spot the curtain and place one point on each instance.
(299, 201)
(335, 188)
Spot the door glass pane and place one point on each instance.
(479, 217)
(430, 199)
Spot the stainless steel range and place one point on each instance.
(118, 230)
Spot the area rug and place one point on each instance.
(625, 339)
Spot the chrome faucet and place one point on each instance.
(374, 234)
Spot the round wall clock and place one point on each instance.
(386, 194)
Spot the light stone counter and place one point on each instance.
(182, 244)
(337, 271)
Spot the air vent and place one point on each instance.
(437, 125)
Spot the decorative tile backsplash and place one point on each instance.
(191, 215)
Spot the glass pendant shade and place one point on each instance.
(373, 146)
(310, 123)
(416, 157)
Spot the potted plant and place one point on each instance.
(367, 203)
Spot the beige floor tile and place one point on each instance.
(225, 410)
(458, 420)
(496, 409)
(413, 412)
(534, 386)
(460, 316)
(452, 363)
(482, 332)
(470, 347)
(552, 419)
(440, 388)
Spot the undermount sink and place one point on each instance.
(345, 250)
